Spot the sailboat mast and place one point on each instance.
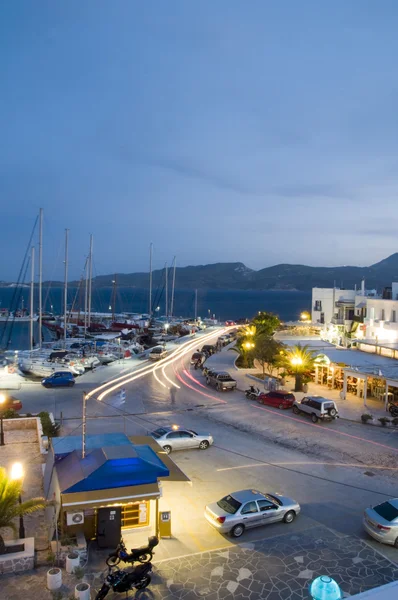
(90, 276)
(86, 295)
(172, 288)
(40, 276)
(32, 291)
(196, 305)
(166, 291)
(150, 280)
(66, 282)
(114, 298)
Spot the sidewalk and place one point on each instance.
(350, 409)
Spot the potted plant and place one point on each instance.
(54, 579)
(384, 421)
(72, 561)
(82, 591)
(366, 417)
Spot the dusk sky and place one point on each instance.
(221, 130)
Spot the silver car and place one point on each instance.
(250, 508)
(173, 438)
(381, 522)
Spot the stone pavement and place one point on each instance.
(279, 568)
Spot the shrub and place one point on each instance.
(10, 414)
(78, 572)
(50, 557)
(394, 421)
(49, 428)
(384, 421)
(366, 417)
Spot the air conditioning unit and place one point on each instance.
(75, 518)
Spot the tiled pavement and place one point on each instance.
(280, 568)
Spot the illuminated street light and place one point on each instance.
(249, 345)
(17, 474)
(166, 326)
(296, 361)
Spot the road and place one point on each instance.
(333, 470)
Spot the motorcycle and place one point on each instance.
(393, 409)
(252, 393)
(143, 554)
(123, 581)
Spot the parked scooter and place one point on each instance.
(393, 408)
(121, 581)
(142, 555)
(252, 393)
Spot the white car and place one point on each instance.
(157, 353)
(170, 438)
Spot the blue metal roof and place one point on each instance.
(109, 467)
(65, 445)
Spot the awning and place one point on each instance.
(175, 473)
(361, 305)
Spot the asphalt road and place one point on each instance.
(334, 471)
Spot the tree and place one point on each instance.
(267, 351)
(265, 323)
(300, 361)
(10, 508)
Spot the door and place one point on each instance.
(56, 380)
(173, 440)
(273, 399)
(251, 516)
(187, 440)
(109, 526)
(269, 512)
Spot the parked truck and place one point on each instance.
(221, 380)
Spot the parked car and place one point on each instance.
(221, 380)
(197, 356)
(249, 508)
(230, 323)
(318, 407)
(10, 403)
(208, 349)
(181, 439)
(59, 379)
(381, 522)
(280, 399)
(208, 370)
(157, 353)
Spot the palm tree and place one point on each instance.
(10, 507)
(300, 360)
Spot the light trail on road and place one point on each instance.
(118, 383)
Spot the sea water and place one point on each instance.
(222, 304)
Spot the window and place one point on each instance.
(318, 305)
(265, 505)
(394, 316)
(229, 504)
(185, 434)
(249, 508)
(174, 435)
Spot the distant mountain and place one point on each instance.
(279, 277)
(239, 277)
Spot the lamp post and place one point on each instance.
(2, 400)
(17, 474)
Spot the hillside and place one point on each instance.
(278, 277)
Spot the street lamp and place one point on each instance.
(249, 345)
(2, 400)
(17, 474)
(166, 326)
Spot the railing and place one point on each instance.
(337, 321)
(358, 319)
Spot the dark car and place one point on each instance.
(9, 403)
(59, 379)
(281, 399)
(208, 349)
(197, 357)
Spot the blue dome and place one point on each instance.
(325, 588)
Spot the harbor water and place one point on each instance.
(223, 304)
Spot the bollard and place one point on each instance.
(325, 588)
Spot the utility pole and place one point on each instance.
(40, 276)
(196, 305)
(84, 425)
(66, 283)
